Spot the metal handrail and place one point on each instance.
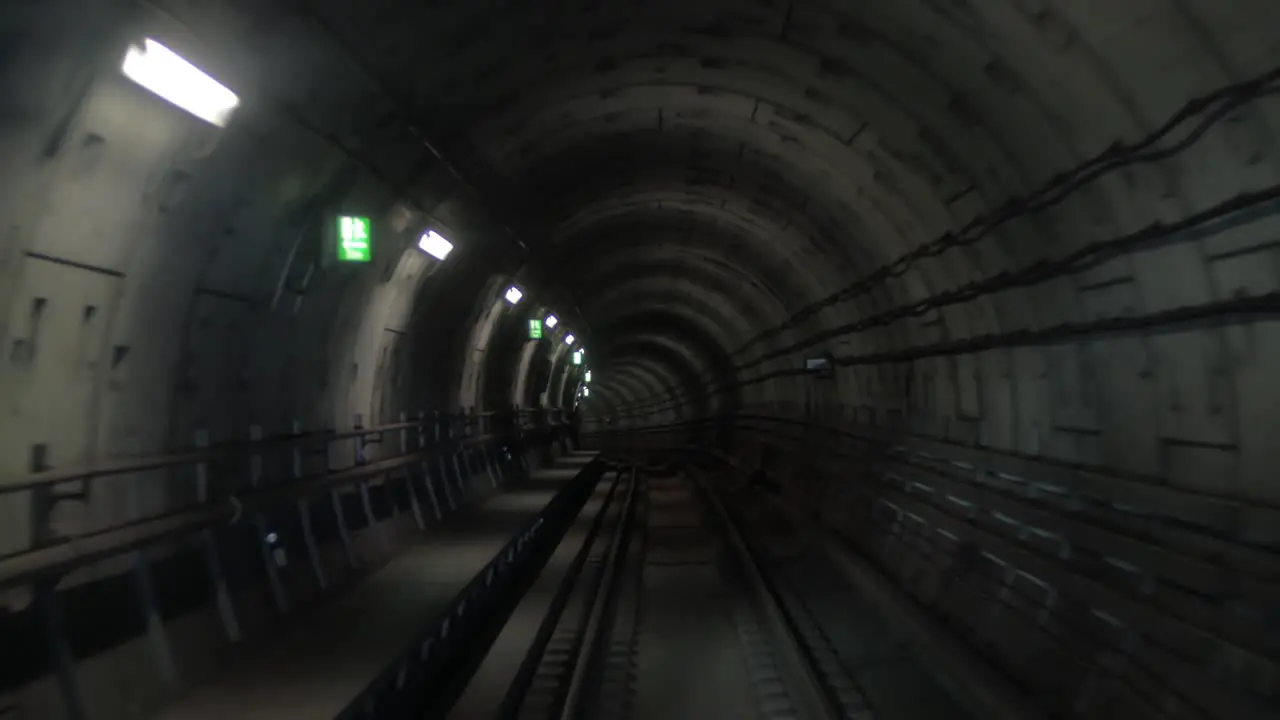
(65, 554)
(122, 465)
(77, 551)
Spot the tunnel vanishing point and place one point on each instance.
(986, 290)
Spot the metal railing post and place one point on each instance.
(304, 516)
(265, 538)
(46, 600)
(161, 653)
(441, 463)
(497, 465)
(226, 610)
(488, 466)
(408, 473)
(335, 497)
(426, 465)
(378, 530)
(457, 467)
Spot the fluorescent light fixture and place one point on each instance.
(588, 378)
(577, 358)
(551, 321)
(586, 392)
(434, 244)
(160, 70)
(513, 295)
(820, 367)
(568, 339)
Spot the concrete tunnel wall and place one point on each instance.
(695, 188)
(163, 276)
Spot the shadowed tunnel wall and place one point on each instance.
(1045, 228)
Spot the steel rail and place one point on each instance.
(589, 647)
(808, 685)
(512, 701)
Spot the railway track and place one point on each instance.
(670, 616)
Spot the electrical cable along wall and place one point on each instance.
(1185, 128)
(1177, 135)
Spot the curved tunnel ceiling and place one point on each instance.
(971, 206)
(806, 144)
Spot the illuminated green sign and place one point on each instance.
(577, 358)
(355, 239)
(535, 329)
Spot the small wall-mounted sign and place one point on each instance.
(535, 329)
(820, 367)
(355, 239)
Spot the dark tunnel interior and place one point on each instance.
(983, 285)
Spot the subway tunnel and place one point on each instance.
(978, 298)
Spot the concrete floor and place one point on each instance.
(484, 693)
(319, 663)
(691, 665)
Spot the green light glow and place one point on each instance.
(535, 329)
(577, 358)
(355, 239)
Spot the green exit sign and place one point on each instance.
(355, 239)
(535, 329)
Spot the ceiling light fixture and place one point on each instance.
(163, 72)
(435, 245)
